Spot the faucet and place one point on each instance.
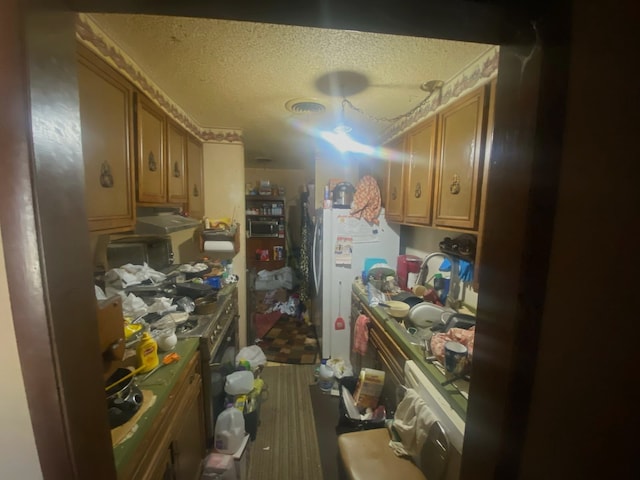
(454, 281)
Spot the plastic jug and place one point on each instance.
(325, 380)
(229, 431)
(239, 383)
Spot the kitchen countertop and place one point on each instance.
(160, 383)
(455, 393)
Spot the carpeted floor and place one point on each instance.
(286, 445)
(290, 341)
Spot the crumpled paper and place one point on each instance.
(134, 306)
(187, 268)
(130, 274)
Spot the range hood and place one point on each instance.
(164, 223)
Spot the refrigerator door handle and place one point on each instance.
(316, 272)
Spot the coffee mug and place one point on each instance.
(455, 357)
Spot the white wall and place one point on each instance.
(18, 454)
(224, 183)
(421, 241)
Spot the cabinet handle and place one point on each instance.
(151, 162)
(196, 192)
(394, 193)
(176, 170)
(454, 188)
(106, 177)
(418, 191)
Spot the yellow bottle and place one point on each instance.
(147, 353)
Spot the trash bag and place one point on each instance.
(253, 354)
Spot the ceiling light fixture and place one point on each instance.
(342, 127)
(340, 139)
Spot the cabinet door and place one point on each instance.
(151, 170)
(176, 163)
(395, 167)
(421, 149)
(459, 157)
(195, 184)
(106, 116)
(188, 444)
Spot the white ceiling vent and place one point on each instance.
(304, 105)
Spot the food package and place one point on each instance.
(369, 388)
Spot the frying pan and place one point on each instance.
(457, 320)
(407, 297)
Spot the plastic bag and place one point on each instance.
(253, 354)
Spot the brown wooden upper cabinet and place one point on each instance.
(395, 185)
(195, 185)
(176, 163)
(106, 116)
(151, 155)
(460, 150)
(419, 173)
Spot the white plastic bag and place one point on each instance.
(253, 354)
(239, 383)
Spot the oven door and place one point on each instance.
(221, 363)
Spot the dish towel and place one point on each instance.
(361, 335)
(411, 424)
(367, 201)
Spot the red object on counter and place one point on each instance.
(432, 296)
(407, 264)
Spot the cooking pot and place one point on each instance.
(343, 195)
(123, 399)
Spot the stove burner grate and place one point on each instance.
(187, 326)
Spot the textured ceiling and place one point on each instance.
(229, 74)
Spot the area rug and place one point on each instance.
(263, 322)
(290, 341)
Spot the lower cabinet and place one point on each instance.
(383, 354)
(187, 446)
(174, 445)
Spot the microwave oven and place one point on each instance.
(264, 228)
(154, 250)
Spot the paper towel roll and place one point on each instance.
(218, 246)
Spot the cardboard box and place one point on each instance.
(241, 460)
(369, 388)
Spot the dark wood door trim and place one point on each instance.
(45, 237)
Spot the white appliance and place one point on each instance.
(452, 424)
(340, 246)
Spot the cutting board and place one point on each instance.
(120, 434)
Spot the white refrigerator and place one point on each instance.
(340, 246)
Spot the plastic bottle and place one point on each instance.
(229, 431)
(325, 381)
(147, 353)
